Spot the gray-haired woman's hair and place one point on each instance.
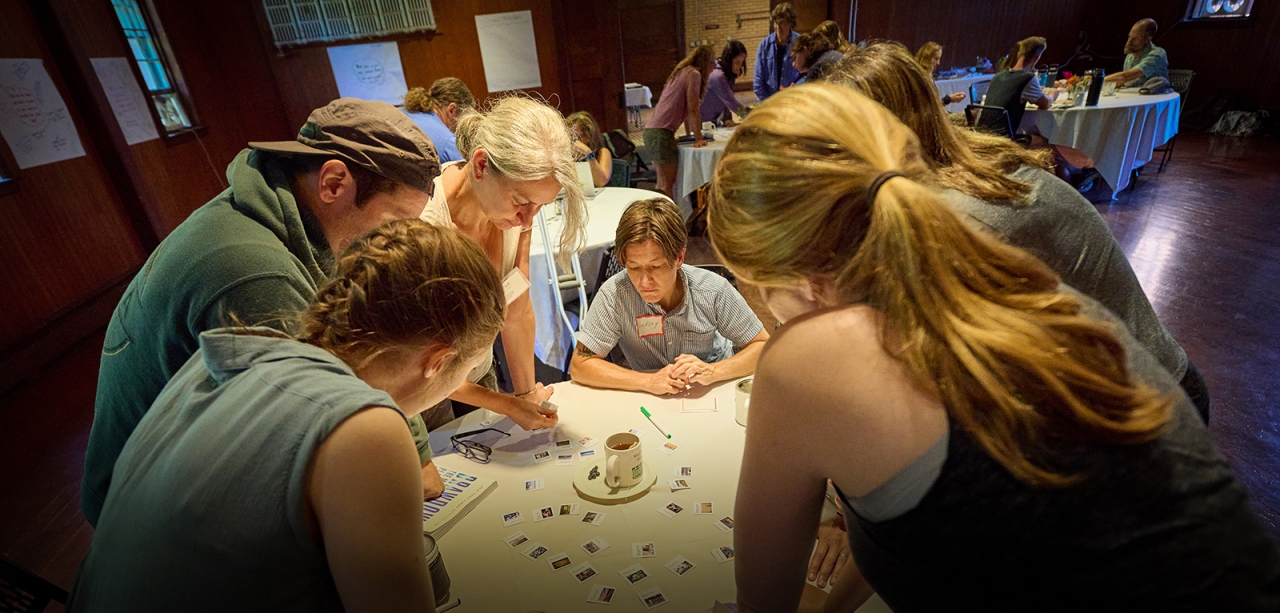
(527, 140)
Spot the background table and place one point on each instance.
(553, 343)
(489, 576)
(951, 86)
(637, 97)
(697, 166)
(1118, 134)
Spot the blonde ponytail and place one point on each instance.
(978, 323)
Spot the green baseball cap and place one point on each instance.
(371, 134)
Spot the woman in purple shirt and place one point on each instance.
(719, 99)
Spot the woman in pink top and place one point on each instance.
(680, 103)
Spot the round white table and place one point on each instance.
(553, 343)
(489, 576)
(697, 166)
(1118, 134)
(947, 87)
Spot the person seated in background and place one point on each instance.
(676, 325)
(1142, 58)
(812, 52)
(773, 60)
(929, 56)
(436, 111)
(255, 254)
(831, 30)
(588, 146)
(680, 103)
(1029, 52)
(719, 103)
(277, 474)
(1009, 191)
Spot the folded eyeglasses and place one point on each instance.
(476, 452)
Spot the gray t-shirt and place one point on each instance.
(1062, 228)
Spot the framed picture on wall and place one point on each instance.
(1208, 11)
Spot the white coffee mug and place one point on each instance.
(742, 401)
(623, 461)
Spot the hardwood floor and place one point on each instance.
(1203, 237)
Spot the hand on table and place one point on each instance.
(831, 554)
(956, 97)
(662, 383)
(690, 369)
(528, 412)
(432, 485)
(699, 143)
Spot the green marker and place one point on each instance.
(655, 424)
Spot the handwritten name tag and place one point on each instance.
(650, 325)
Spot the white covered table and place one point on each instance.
(697, 166)
(489, 576)
(1118, 134)
(552, 343)
(960, 85)
(637, 97)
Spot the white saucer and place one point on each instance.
(595, 490)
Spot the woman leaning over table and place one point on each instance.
(680, 103)
(1008, 190)
(998, 440)
(276, 474)
(518, 157)
(719, 103)
(588, 146)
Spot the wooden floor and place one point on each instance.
(1204, 238)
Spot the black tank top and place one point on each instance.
(1162, 526)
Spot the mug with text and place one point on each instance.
(623, 463)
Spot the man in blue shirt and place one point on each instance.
(773, 59)
(1143, 59)
(677, 325)
(436, 111)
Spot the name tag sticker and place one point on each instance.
(650, 325)
(514, 285)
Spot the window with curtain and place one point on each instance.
(154, 67)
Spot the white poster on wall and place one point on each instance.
(33, 118)
(370, 72)
(126, 99)
(508, 51)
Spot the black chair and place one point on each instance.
(621, 175)
(1004, 94)
(620, 146)
(977, 91)
(1180, 80)
(21, 591)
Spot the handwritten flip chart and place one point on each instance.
(33, 118)
(370, 72)
(125, 98)
(508, 51)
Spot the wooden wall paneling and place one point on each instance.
(591, 59)
(809, 13)
(66, 233)
(652, 41)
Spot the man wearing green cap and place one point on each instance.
(255, 255)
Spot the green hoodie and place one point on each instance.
(252, 251)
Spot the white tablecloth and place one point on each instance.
(553, 343)
(1118, 134)
(488, 576)
(951, 86)
(639, 97)
(697, 166)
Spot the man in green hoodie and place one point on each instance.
(255, 255)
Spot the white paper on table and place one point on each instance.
(369, 72)
(508, 50)
(126, 99)
(33, 118)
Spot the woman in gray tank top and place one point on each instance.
(274, 474)
(1000, 441)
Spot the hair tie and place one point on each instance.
(880, 181)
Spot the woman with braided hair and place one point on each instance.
(278, 474)
(998, 440)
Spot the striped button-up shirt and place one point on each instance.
(712, 319)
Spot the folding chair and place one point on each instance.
(22, 591)
(1180, 80)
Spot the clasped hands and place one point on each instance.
(686, 370)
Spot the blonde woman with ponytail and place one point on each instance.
(275, 474)
(998, 440)
(517, 156)
(436, 111)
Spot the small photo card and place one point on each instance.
(512, 518)
(558, 561)
(634, 574)
(586, 441)
(564, 459)
(678, 484)
(563, 444)
(703, 508)
(516, 540)
(594, 546)
(643, 550)
(601, 594)
(722, 554)
(653, 598)
(725, 524)
(684, 471)
(668, 448)
(594, 518)
(636, 431)
(535, 551)
(679, 565)
(534, 484)
(586, 454)
(670, 509)
(543, 514)
(705, 404)
(583, 571)
(541, 456)
(568, 509)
